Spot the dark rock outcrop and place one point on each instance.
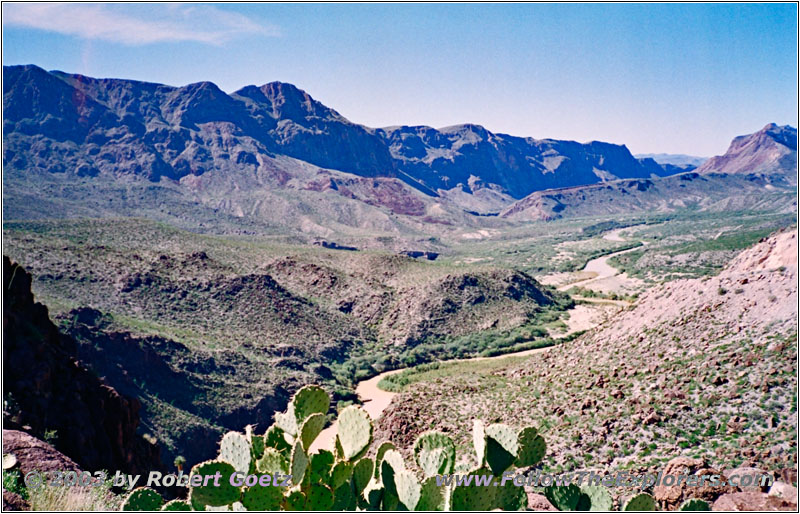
(50, 390)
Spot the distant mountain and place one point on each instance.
(759, 171)
(680, 160)
(772, 150)
(59, 123)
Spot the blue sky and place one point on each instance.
(676, 78)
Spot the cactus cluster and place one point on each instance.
(347, 479)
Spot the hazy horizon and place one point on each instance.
(678, 78)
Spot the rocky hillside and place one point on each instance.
(213, 333)
(759, 171)
(706, 192)
(212, 143)
(49, 393)
(700, 368)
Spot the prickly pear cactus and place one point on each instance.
(143, 498)
(310, 400)
(474, 497)
(320, 467)
(408, 489)
(695, 504)
(214, 495)
(640, 502)
(260, 497)
(382, 449)
(479, 441)
(501, 447)
(236, 450)
(362, 474)
(531, 447)
(354, 431)
(311, 428)
(340, 474)
(435, 453)
(299, 463)
(176, 505)
(275, 437)
(563, 497)
(432, 496)
(294, 500)
(597, 497)
(272, 462)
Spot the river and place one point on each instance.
(376, 400)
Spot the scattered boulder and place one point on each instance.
(671, 497)
(753, 478)
(751, 501)
(35, 454)
(538, 502)
(783, 490)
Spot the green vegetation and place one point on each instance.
(348, 479)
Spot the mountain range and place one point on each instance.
(75, 145)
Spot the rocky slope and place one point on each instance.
(77, 126)
(213, 333)
(759, 171)
(770, 151)
(706, 192)
(49, 391)
(702, 368)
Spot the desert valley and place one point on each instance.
(179, 262)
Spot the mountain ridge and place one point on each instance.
(156, 121)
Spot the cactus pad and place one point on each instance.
(295, 500)
(382, 449)
(510, 497)
(320, 466)
(310, 400)
(176, 505)
(432, 496)
(362, 473)
(235, 450)
(479, 441)
(695, 504)
(272, 462)
(598, 497)
(531, 447)
(143, 498)
(311, 428)
(354, 431)
(563, 497)
(435, 453)
(472, 497)
(340, 474)
(319, 497)
(276, 438)
(212, 495)
(299, 463)
(260, 497)
(501, 447)
(287, 421)
(408, 489)
(640, 502)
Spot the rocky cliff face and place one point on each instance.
(49, 390)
